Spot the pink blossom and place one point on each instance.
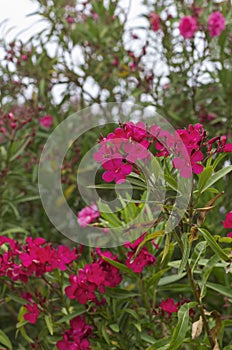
(115, 62)
(229, 235)
(135, 131)
(228, 222)
(70, 19)
(155, 21)
(116, 170)
(216, 24)
(227, 147)
(33, 313)
(188, 26)
(187, 168)
(75, 338)
(24, 57)
(46, 121)
(136, 151)
(88, 215)
(144, 258)
(169, 306)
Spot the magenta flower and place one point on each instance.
(228, 222)
(169, 306)
(144, 258)
(155, 21)
(46, 121)
(188, 26)
(75, 338)
(216, 24)
(81, 289)
(33, 313)
(227, 148)
(116, 170)
(88, 215)
(186, 168)
(136, 151)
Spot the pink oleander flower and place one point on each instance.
(75, 338)
(169, 306)
(228, 222)
(46, 121)
(227, 148)
(70, 19)
(186, 168)
(216, 24)
(136, 151)
(229, 235)
(155, 21)
(24, 57)
(33, 313)
(188, 26)
(144, 258)
(88, 215)
(137, 132)
(81, 289)
(116, 170)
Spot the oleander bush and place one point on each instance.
(166, 285)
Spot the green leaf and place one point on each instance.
(118, 265)
(182, 326)
(117, 293)
(49, 323)
(216, 177)
(108, 215)
(4, 340)
(14, 230)
(71, 316)
(161, 344)
(148, 238)
(213, 244)
(114, 327)
(171, 279)
(186, 252)
(220, 289)
(147, 338)
(152, 281)
(171, 182)
(204, 177)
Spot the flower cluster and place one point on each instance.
(88, 215)
(142, 259)
(34, 258)
(120, 151)
(76, 338)
(93, 277)
(228, 223)
(189, 25)
(169, 306)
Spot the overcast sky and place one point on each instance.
(15, 11)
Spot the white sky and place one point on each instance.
(15, 11)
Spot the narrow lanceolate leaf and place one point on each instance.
(49, 323)
(4, 340)
(220, 289)
(118, 265)
(213, 244)
(181, 328)
(186, 252)
(216, 177)
(204, 177)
